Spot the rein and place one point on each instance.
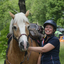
(27, 53)
(22, 61)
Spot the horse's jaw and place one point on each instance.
(23, 50)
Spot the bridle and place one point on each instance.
(19, 37)
(25, 51)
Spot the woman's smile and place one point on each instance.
(49, 29)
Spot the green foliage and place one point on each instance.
(36, 9)
(3, 40)
(5, 7)
(43, 10)
(1, 61)
(5, 18)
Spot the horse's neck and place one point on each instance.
(32, 42)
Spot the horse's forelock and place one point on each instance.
(19, 18)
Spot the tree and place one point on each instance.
(43, 10)
(22, 6)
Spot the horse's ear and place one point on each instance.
(27, 13)
(12, 15)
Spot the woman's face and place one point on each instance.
(49, 29)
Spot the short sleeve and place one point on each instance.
(54, 41)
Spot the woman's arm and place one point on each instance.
(45, 48)
(39, 59)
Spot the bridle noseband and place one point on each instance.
(21, 35)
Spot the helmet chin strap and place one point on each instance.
(50, 35)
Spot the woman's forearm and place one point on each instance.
(45, 48)
(35, 49)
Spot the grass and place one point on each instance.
(1, 61)
(61, 54)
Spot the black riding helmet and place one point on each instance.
(51, 22)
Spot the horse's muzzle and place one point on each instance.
(24, 46)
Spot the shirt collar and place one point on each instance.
(48, 38)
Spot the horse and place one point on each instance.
(18, 48)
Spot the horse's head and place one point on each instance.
(19, 28)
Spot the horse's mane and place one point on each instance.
(19, 18)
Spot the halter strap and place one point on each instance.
(21, 35)
(15, 38)
(24, 57)
(18, 37)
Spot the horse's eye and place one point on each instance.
(28, 27)
(14, 27)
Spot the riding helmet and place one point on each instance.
(51, 22)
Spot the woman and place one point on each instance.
(50, 45)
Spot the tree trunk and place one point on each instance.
(22, 6)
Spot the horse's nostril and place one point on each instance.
(24, 45)
(27, 44)
(21, 44)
